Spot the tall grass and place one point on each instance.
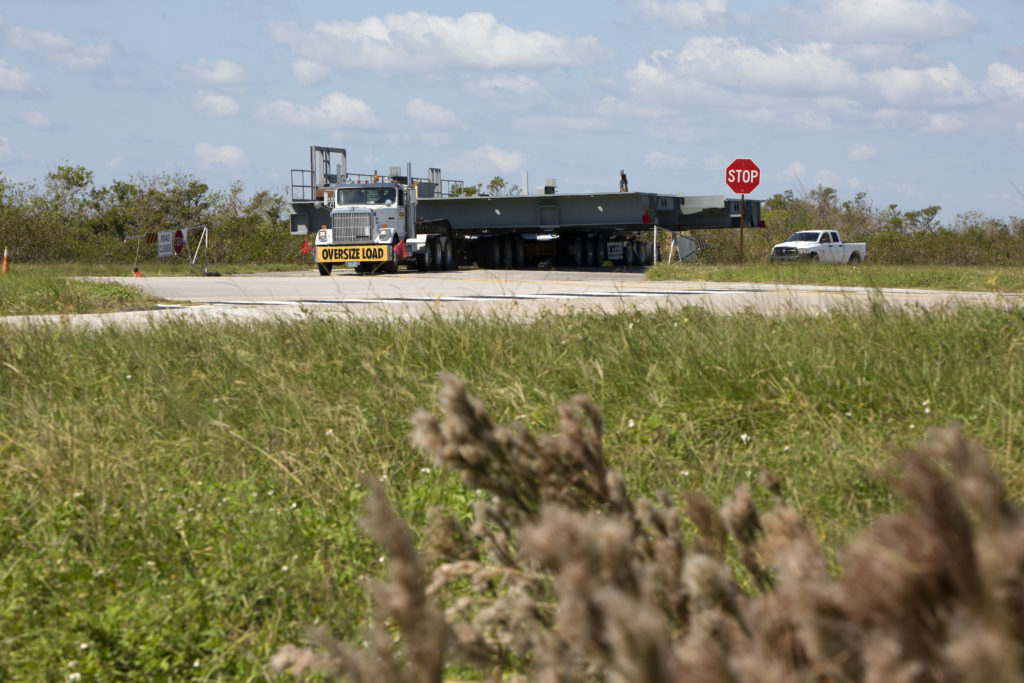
(35, 292)
(180, 501)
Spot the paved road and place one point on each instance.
(518, 293)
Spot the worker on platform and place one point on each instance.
(623, 183)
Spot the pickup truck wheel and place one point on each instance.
(814, 258)
(324, 268)
(854, 258)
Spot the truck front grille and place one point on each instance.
(351, 227)
(785, 251)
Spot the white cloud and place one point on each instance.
(658, 159)
(220, 72)
(215, 104)
(827, 178)
(720, 64)
(115, 163)
(35, 119)
(897, 21)
(308, 71)
(1007, 79)
(681, 13)
(815, 119)
(427, 115)
(571, 124)
(489, 157)
(13, 79)
(6, 151)
(58, 48)
(795, 171)
(944, 123)
(501, 84)
(860, 152)
(226, 155)
(936, 84)
(336, 110)
(424, 42)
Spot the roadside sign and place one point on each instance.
(164, 243)
(742, 176)
(179, 241)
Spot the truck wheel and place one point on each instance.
(576, 257)
(814, 258)
(588, 252)
(445, 247)
(854, 258)
(506, 251)
(518, 252)
(434, 247)
(629, 254)
(324, 268)
(600, 251)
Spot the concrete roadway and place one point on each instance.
(524, 294)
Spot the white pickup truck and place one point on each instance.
(823, 246)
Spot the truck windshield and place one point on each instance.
(366, 195)
(804, 237)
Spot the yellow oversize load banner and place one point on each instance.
(372, 252)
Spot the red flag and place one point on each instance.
(305, 246)
(400, 250)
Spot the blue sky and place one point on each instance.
(916, 102)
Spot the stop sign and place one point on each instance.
(742, 176)
(179, 242)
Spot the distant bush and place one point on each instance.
(893, 236)
(70, 219)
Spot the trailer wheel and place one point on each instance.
(518, 252)
(447, 258)
(576, 253)
(491, 252)
(434, 247)
(600, 251)
(324, 268)
(587, 255)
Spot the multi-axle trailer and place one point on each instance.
(381, 222)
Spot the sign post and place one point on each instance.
(742, 176)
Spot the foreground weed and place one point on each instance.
(572, 579)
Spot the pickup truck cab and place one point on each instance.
(823, 246)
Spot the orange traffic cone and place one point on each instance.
(3, 268)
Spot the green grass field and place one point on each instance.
(181, 501)
(963, 278)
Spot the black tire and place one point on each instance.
(814, 258)
(505, 258)
(628, 254)
(576, 253)
(854, 258)
(600, 251)
(436, 258)
(364, 267)
(518, 252)
(324, 268)
(587, 257)
(447, 258)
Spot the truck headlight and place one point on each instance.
(321, 236)
(384, 235)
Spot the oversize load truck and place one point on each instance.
(381, 222)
